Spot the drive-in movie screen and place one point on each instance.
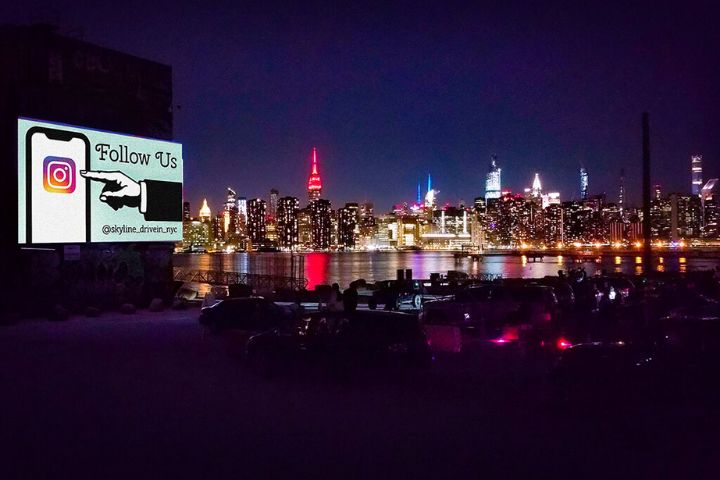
(84, 185)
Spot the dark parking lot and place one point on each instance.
(152, 396)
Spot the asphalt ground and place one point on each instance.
(151, 395)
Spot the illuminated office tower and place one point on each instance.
(696, 174)
(621, 194)
(288, 211)
(492, 180)
(242, 209)
(314, 187)
(584, 183)
(256, 220)
(321, 223)
(230, 216)
(347, 224)
(710, 197)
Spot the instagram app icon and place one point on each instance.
(59, 175)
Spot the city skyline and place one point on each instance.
(493, 184)
(548, 88)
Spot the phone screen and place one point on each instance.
(57, 193)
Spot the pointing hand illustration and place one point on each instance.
(157, 200)
(119, 189)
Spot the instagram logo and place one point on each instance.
(59, 175)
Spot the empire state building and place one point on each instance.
(314, 183)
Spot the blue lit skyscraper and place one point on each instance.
(492, 180)
(583, 183)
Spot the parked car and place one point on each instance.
(396, 294)
(681, 361)
(250, 314)
(494, 312)
(342, 342)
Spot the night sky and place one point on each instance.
(388, 94)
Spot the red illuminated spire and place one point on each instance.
(314, 182)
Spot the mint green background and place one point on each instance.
(100, 213)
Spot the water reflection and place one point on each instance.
(326, 268)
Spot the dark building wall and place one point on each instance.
(47, 76)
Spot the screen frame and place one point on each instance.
(57, 135)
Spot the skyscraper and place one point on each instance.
(314, 183)
(492, 180)
(287, 221)
(186, 212)
(205, 213)
(584, 183)
(256, 220)
(696, 174)
(273, 204)
(230, 216)
(347, 223)
(242, 208)
(321, 221)
(536, 186)
(710, 197)
(621, 193)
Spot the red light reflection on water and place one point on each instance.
(316, 269)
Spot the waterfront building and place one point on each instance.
(314, 186)
(196, 235)
(660, 216)
(616, 231)
(305, 228)
(696, 174)
(685, 216)
(621, 191)
(634, 229)
(448, 229)
(218, 231)
(256, 227)
(348, 225)
(553, 225)
(288, 213)
(321, 223)
(367, 226)
(710, 196)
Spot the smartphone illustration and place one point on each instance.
(58, 197)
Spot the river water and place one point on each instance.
(344, 267)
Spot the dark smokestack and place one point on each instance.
(647, 254)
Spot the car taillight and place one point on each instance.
(510, 334)
(562, 344)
